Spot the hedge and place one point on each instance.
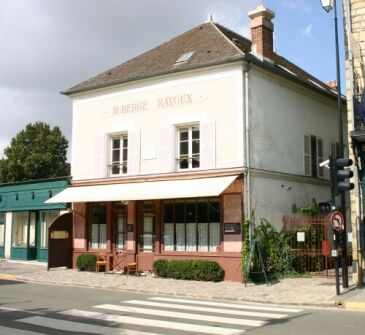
(86, 262)
(189, 270)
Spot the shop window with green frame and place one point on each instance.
(45, 220)
(20, 223)
(2, 229)
(192, 225)
(98, 215)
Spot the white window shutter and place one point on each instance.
(165, 149)
(207, 144)
(307, 155)
(320, 157)
(134, 141)
(100, 157)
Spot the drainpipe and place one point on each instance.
(247, 175)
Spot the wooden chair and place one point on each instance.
(101, 261)
(133, 267)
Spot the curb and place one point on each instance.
(360, 306)
(6, 276)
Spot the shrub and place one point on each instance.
(189, 270)
(160, 267)
(86, 262)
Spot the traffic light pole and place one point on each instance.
(345, 281)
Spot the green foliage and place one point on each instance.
(246, 242)
(86, 262)
(36, 152)
(310, 210)
(277, 255)
(189, 270)
(160, 267)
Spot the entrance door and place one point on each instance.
(60, 242)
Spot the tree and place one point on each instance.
(36, 152)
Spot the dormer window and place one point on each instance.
(185, 57)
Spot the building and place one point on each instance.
(24, 218)
(173, 148)
(354, 14)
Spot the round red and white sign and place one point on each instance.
(337, 220)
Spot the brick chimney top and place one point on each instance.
(262, 30)
(332, 84)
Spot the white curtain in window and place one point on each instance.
(169, 236)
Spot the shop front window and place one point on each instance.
(2, 229)
(98, 226)
(46, 218)
(192, 225)
(20, 229)
(120, 220)
(147, 235)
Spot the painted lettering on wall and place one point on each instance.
(174, 101)
(159, 103)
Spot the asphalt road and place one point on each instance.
(30, 309)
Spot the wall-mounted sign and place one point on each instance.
(130, 228)
(232, 228)
(301, 236)
(59, 234)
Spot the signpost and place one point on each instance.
(337, 221)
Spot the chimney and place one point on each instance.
(332, 84)
(262, 33)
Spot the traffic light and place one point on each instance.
(339, 174)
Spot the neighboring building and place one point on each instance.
(354, 24)
(24, 218)
(173, 148)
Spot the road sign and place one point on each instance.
(337, 220)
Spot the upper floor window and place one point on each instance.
(313, 155)
(189, 147)
(119, 154)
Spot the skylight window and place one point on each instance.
(185, 57)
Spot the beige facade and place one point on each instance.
(354, 24)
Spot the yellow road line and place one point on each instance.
(354, 305)
(6, 276)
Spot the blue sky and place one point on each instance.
(51, 45)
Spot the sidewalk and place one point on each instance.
(314, 291)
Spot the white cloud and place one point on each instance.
(296, 4)
(307, 31)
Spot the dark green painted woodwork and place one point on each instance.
(31, 195)
(42, 254)
(27, 254)
(2, 252)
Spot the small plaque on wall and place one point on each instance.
(130, 228)
(232, 228)
(59, 235)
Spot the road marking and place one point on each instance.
(6, 330)
(220, 304)
(78, 327)
(196, 328)
(20, 310)
(179, 315)
(206, 309)
(6, 276)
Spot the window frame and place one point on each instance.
(190, 156)
(314, 156)
(2, 227)
(123, 154)
(90, 227)
(176, 222)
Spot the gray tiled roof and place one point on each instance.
(212, 44)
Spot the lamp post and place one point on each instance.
(328, 5)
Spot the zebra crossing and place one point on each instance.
(161, 315)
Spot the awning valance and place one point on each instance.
(165, 189)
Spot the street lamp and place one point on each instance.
(328, 5)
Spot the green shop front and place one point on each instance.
(25, 218)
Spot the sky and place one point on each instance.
(48, 46)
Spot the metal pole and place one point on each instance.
(345, 282)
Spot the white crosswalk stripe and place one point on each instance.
(153, 323)
(180, 315)
(231, 305)
(206, 309)
(162, 315)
